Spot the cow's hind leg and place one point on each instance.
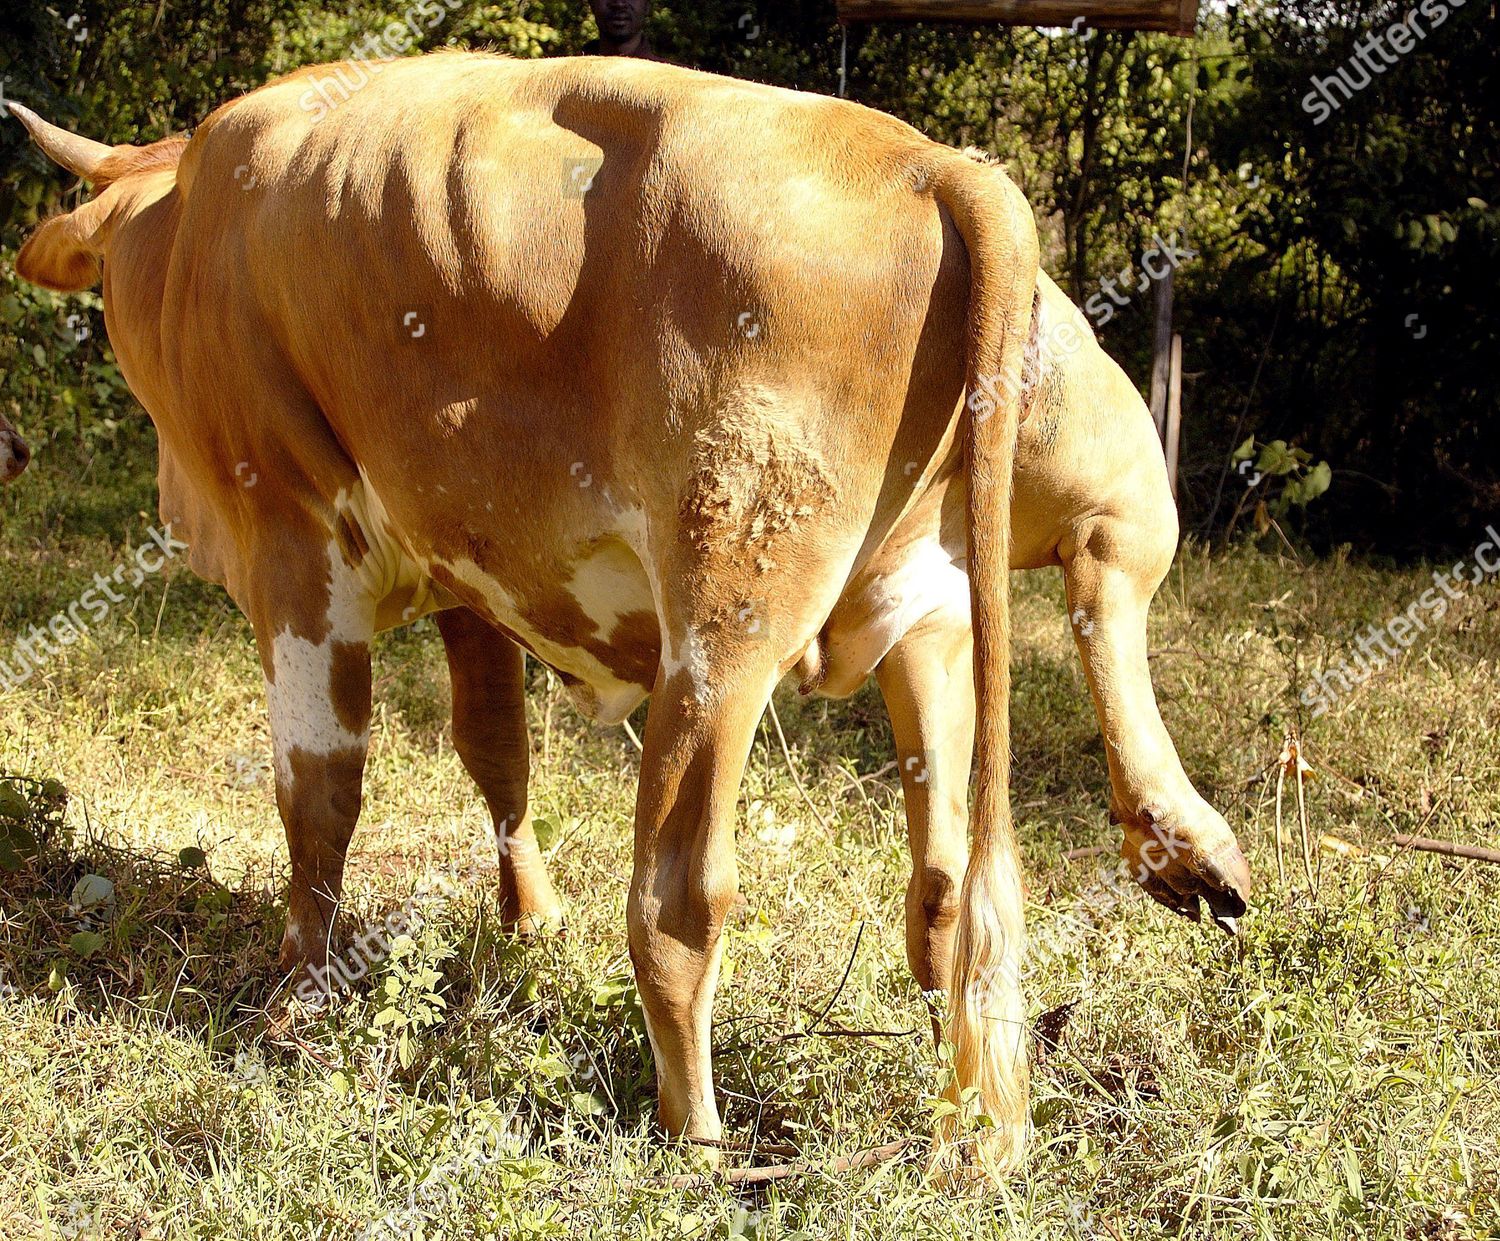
(489, 732)
(927, 682)
(1179, 846)
(313, 624)
(698, 733)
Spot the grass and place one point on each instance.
(1329, 1074)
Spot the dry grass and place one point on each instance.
(1330, 1074)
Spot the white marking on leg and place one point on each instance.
(301, 702)
(300, 691)
(686, 653)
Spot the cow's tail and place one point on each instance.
(987, 1026)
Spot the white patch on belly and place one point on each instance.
(609, 586)
(388, 569)
(602, 696)
(927, 580)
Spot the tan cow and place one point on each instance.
(663, 376)
(14, 454)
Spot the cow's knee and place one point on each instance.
(685, 878)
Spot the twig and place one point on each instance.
(630, 732)
(848, 969)
(833, 1029)
(1290, 761)
(1075, 855)
(1426, 844)
(781, 1171)
(792, 767)
(784, 1149)
(1307, 847)
(1280, 785)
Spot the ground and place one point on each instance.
(1328, 1074)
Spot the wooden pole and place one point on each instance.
(1174, 412)
(1161, 353)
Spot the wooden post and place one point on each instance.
(1161, 353)
(1174, 412)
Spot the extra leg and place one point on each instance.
(489, 733)
(927, 681)
(1179, 846)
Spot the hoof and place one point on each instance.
(1178, 867)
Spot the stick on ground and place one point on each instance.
(1428, 845)
(780, 1171)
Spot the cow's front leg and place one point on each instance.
(927, 682)
(487, 670)
(1179, 847)
(313, 625)
(698, 734)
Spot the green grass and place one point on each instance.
(1329, 1074)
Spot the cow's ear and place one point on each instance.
(65, 253)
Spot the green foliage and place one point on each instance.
(1342, 265)
(1294, 480)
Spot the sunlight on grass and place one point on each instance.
(1328, 1074)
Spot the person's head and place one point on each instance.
(620, 21)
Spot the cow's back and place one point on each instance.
(600, 302)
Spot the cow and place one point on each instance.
(680, 384)
(14, 454)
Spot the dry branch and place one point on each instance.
(781, 1171)
(1427, 845)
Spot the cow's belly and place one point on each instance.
(598, 629)
(595, 625)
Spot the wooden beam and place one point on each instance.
(1178, 17)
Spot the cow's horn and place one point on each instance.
(80, 156)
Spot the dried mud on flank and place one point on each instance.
(749, 491)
